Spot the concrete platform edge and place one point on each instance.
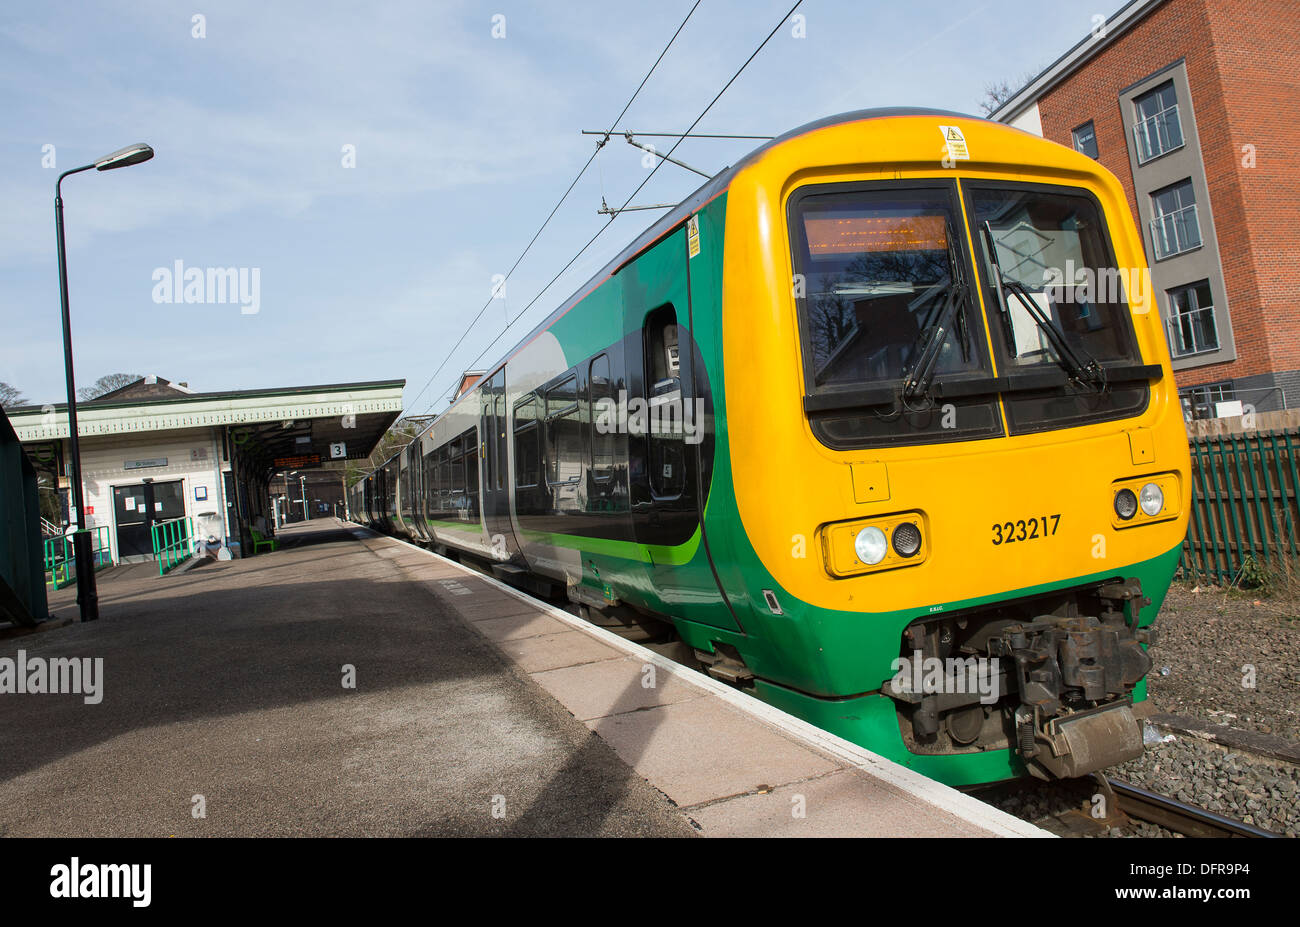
(971, 810)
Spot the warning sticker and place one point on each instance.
(693, 236)
(956, 143)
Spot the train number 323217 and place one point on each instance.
(1008, 532)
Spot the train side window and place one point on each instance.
(602, 418)
(666, 408)
(440, 480)
(456, 477)
(471, 474)
(499, 423)
(430, 484)
(563, 432)
(528, 464)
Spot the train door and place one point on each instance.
(667, 483)
(494, 431)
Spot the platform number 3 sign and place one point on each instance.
(338, 451)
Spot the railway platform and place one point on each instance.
(352, 685)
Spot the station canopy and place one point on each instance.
(290, 428)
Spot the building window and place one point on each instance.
(1191, 320)
(1175, 227)
(1157, 129)
(1202, 401)
(1085, 140)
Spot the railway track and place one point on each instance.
(1072, 810)
(1144, 805)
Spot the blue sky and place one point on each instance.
(463, 142)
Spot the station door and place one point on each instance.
(137, 508)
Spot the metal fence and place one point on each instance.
(1245, 507)
(173, 542)
(61, 562)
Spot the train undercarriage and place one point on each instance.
(1051, 677)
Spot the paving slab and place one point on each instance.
(702, 750)
(519, 626)
(844, 803)
(612, 687)
(551, 651)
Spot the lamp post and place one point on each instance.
(87, 597)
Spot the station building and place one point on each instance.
(154, 451)
(1195, 106)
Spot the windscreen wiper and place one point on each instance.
(1081, 367)
(920, 375)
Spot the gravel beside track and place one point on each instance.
(1206, 637)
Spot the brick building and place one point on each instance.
(1195, 106)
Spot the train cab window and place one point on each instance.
(601, 418)
(528, 463)
(885, 297)
(665, 427)
(563, 432)
(1054, 256)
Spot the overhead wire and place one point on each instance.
(600, 144)
(647, 179)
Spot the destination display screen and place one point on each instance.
(866, 232)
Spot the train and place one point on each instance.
(878, 425)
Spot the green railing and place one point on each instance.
(61, 562)
(1245, 507)
(173, 542)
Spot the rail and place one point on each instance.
(173, 542)
(61, 562)
(1178, 816)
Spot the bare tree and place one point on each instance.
(401, 433)
(999, 92)
(10, 396)
(106, 384)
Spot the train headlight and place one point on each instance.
(870, 545)
(1151, 499)
(1126, 503)
(907, 539)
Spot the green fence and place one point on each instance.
(173, 542)
(1244, 507)
(61, 561)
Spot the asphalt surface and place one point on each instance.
(226, 682)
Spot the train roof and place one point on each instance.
(683, 211)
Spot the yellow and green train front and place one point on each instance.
(954, 436)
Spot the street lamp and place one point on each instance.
(87, 597)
